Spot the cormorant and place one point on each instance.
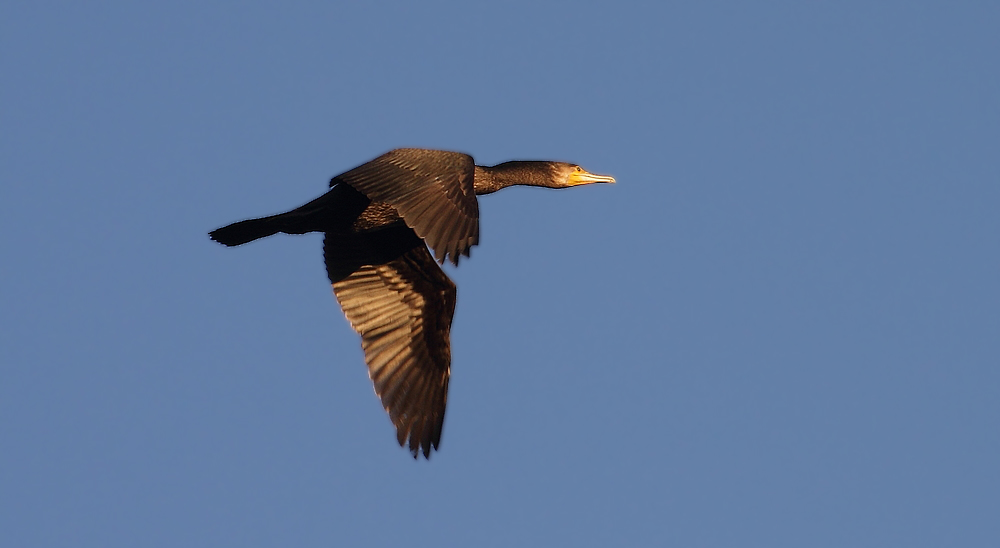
(379, 219)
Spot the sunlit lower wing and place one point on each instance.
(431, 189)
(403, 311)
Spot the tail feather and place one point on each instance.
(315, 216)
(245, 231)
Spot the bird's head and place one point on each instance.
(534, 173)
(568, 175)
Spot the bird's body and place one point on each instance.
(379, 220)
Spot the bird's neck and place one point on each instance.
(490, 179)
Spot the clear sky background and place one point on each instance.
(780, 328)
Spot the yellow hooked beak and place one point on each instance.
(581, 176)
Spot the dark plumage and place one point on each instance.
(379, 220)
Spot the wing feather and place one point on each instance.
(433, 192)
(403, 310)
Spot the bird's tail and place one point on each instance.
(247, 231)
(311, 217)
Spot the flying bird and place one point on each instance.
(379, 219)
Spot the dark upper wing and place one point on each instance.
(403, 310)
(431, 189)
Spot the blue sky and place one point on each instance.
(780, 328)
